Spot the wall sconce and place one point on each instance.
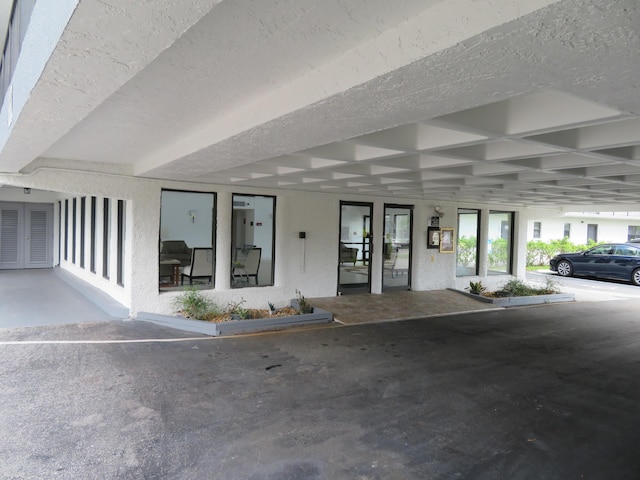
(27, 191)
(438, 210)
(192, 214)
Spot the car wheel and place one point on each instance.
(564, 268)
(635, 277)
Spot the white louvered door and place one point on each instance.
(26, 235)
(38, 245)
(11, 235)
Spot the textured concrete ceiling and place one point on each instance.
(509, 102)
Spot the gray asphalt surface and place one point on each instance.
(548, 392)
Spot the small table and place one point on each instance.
(175, 270)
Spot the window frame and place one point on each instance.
(478, 213)
(510, 238)
(273, 238)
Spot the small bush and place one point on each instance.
(518, 288)
(303, 304)
(476, 287)
(194, 305)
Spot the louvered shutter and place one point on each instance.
(9, 237)
(39, 239)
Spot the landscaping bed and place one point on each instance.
(516, 293)
(197, 314)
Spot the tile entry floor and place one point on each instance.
(371, 308)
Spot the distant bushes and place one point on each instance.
(539, 252)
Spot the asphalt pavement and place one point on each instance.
(545, 392)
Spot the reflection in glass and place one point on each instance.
(396, 251)
(467, 244)
(500, 245)
(186, 227)
(252, 240)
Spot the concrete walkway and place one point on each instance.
(37, 297)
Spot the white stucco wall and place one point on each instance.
(309, 265)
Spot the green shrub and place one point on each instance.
(237, 308)
(476, 287)
(539, 253)
(303, 304)
(518, 288)
(193, 304)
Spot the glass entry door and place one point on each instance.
(396, 252)
(354, 251)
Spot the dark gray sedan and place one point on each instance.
(618, 261)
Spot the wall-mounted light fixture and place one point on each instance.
(27, 191)
(438, 210)
(192, 214)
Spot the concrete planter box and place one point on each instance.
(234, 327)
(521, 301)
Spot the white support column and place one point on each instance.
(223, 241)
(520, 245)
(483, 250)
(377, 242)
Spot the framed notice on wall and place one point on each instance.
(446, 240)
(433, 237)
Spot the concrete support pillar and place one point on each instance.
(483, 250)
(223, 241)
(520, 245)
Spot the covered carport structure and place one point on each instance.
(501, 105)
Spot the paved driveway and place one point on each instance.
(547, 392)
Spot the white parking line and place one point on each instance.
(106, 342)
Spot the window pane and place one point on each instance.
(106, 237)
(467, 244)
(83, 221)
(537, 226)
(252, 240)
(121, 240)
(187, 256)
(500, 249)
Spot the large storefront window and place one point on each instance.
(187, 255)
(500, 243)
(252, 240)
(467, 244)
